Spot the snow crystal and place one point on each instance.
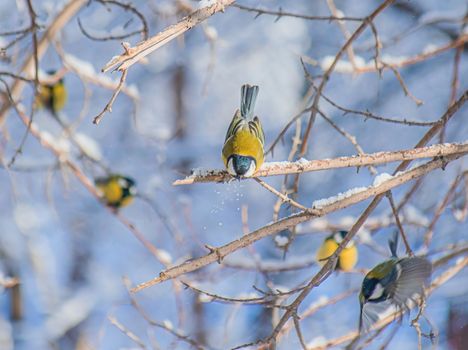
(251, 295)
(205, 172)
(381, 178)
(319, 341)
(47, 137)
(339, 13)
(429, 48)
(70, 313)
(168, 324)
(280, 288)
(414, 215)
(389, 59)
(132, 90)
(26, 217)
(319, 224)
(347, 220)
(83, 67)
(364, 235)
(302, 161)
(281, 241)
(206, 3)
(164, 256)
(89, 146)
(340, 196)
(322, 300)
(6, 334)
(432, 16)
(459, 215)
(211, 33)
(203, 298)
(275, 164)
(62, 144)
(118, 31)
(342, 66)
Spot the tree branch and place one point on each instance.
(136, 53)
(217, 254)
(302, 166)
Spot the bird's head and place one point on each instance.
(339, 236)
(127, 184)
(239, 166)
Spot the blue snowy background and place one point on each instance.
(71, 254)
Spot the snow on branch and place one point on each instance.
(303, 165)
(326, 207)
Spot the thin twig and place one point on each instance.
(403, 85)
(283, 197)
(281, 13)
(132, 336)
(349, 137)
(409, 251)
(108, 107)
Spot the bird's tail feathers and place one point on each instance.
(248, 97)
(393, 244)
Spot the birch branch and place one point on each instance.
(302, 165)
(343, 201)
(144, 48)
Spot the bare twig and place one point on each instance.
(280, 13)
(439, 210)
(403, 85)
(409, 251)
(132, 336)
(330, 69)
(334, 11)
(349, 137)
(108, 107)
(283, 197)
(127, 7)
(366, 114)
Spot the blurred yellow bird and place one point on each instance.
(116, 191)
(52, 96)
(243, 147)
(348, 256)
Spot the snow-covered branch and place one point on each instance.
(320, 208)
(303, 165)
